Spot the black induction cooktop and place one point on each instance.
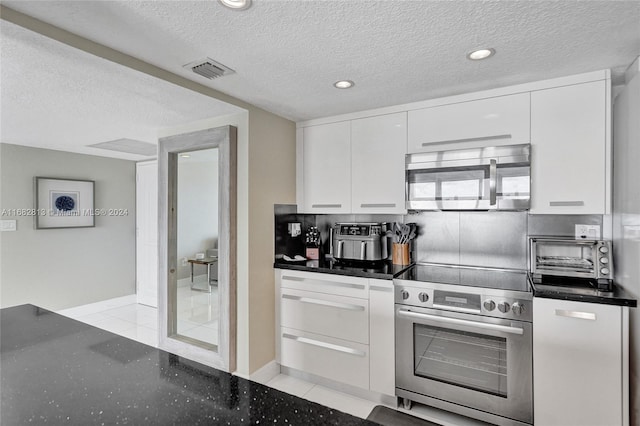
(512, 280)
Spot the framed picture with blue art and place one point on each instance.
(64, 203)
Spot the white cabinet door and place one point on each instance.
(336, 359)
(569, 149)
(381, 340)
(378, 148)
(336, 316)
(577, 363)
(147, 233)
(327, 168)
(502, 120)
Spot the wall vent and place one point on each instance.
(209, 68)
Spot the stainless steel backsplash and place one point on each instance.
(490, 239)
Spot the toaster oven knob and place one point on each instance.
(604, 249)
(604, 271)
(405, 294)
(604, 260)
(489, 305)
(424, 297)
(503, 307)
(517, 308)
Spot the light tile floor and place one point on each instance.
(198, 319)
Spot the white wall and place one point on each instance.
(61, 268)
(626, 213)
(197, 207)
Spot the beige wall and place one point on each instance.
(61, 268)
(272, 180)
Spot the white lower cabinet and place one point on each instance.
(579, 363)
(337, 327)
(325, 356)
(382, 337)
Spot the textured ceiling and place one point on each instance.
(55, 96)
(287, 54)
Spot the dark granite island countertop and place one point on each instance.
(383, 270)
(55, 370)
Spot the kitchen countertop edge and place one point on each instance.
(346, 272)
(618, 297)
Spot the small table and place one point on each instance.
(208, 261)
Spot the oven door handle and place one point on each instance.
(446, 320)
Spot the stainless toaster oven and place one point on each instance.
(589, 259)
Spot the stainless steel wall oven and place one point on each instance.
(464, 342)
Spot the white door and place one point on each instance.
(147, 233)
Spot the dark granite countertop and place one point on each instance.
(384, 270)
(580, 291)
(55, 370)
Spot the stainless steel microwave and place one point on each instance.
(489, 178)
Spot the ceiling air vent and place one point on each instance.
(209, 68)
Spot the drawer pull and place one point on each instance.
(326, 206)
(325, 345)
(576, 314)
(479, 138)
(323, 282)
(566, 203)
(380, 288)
(380, 205)
(312, 301)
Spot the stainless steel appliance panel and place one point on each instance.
(439, 240)
(477, 362)
(494, 239)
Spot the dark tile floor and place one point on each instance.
(55, 370)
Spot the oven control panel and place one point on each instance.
(496, 303)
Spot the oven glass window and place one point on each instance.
(461, 358)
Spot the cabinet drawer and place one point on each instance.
(336, 316)
(325, 283)
(335, 359)
(503, 120)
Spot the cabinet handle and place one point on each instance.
(333, 283)
(566, 203)
(380, 205)
(326, 206)
(325, 345)
(576, 314)
(493, 176)
(312, 301)
(480, 138)
(380, 288)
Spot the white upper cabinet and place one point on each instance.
(570, 149)
(378, 148)
(502, 120)
(327, 168)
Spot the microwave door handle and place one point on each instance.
(456, 321)
(363, 250)
(493, 176)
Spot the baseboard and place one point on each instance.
(266, 372)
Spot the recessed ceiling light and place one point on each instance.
(344, 84)
(185, 155)
(236, 4)
(479, 54)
